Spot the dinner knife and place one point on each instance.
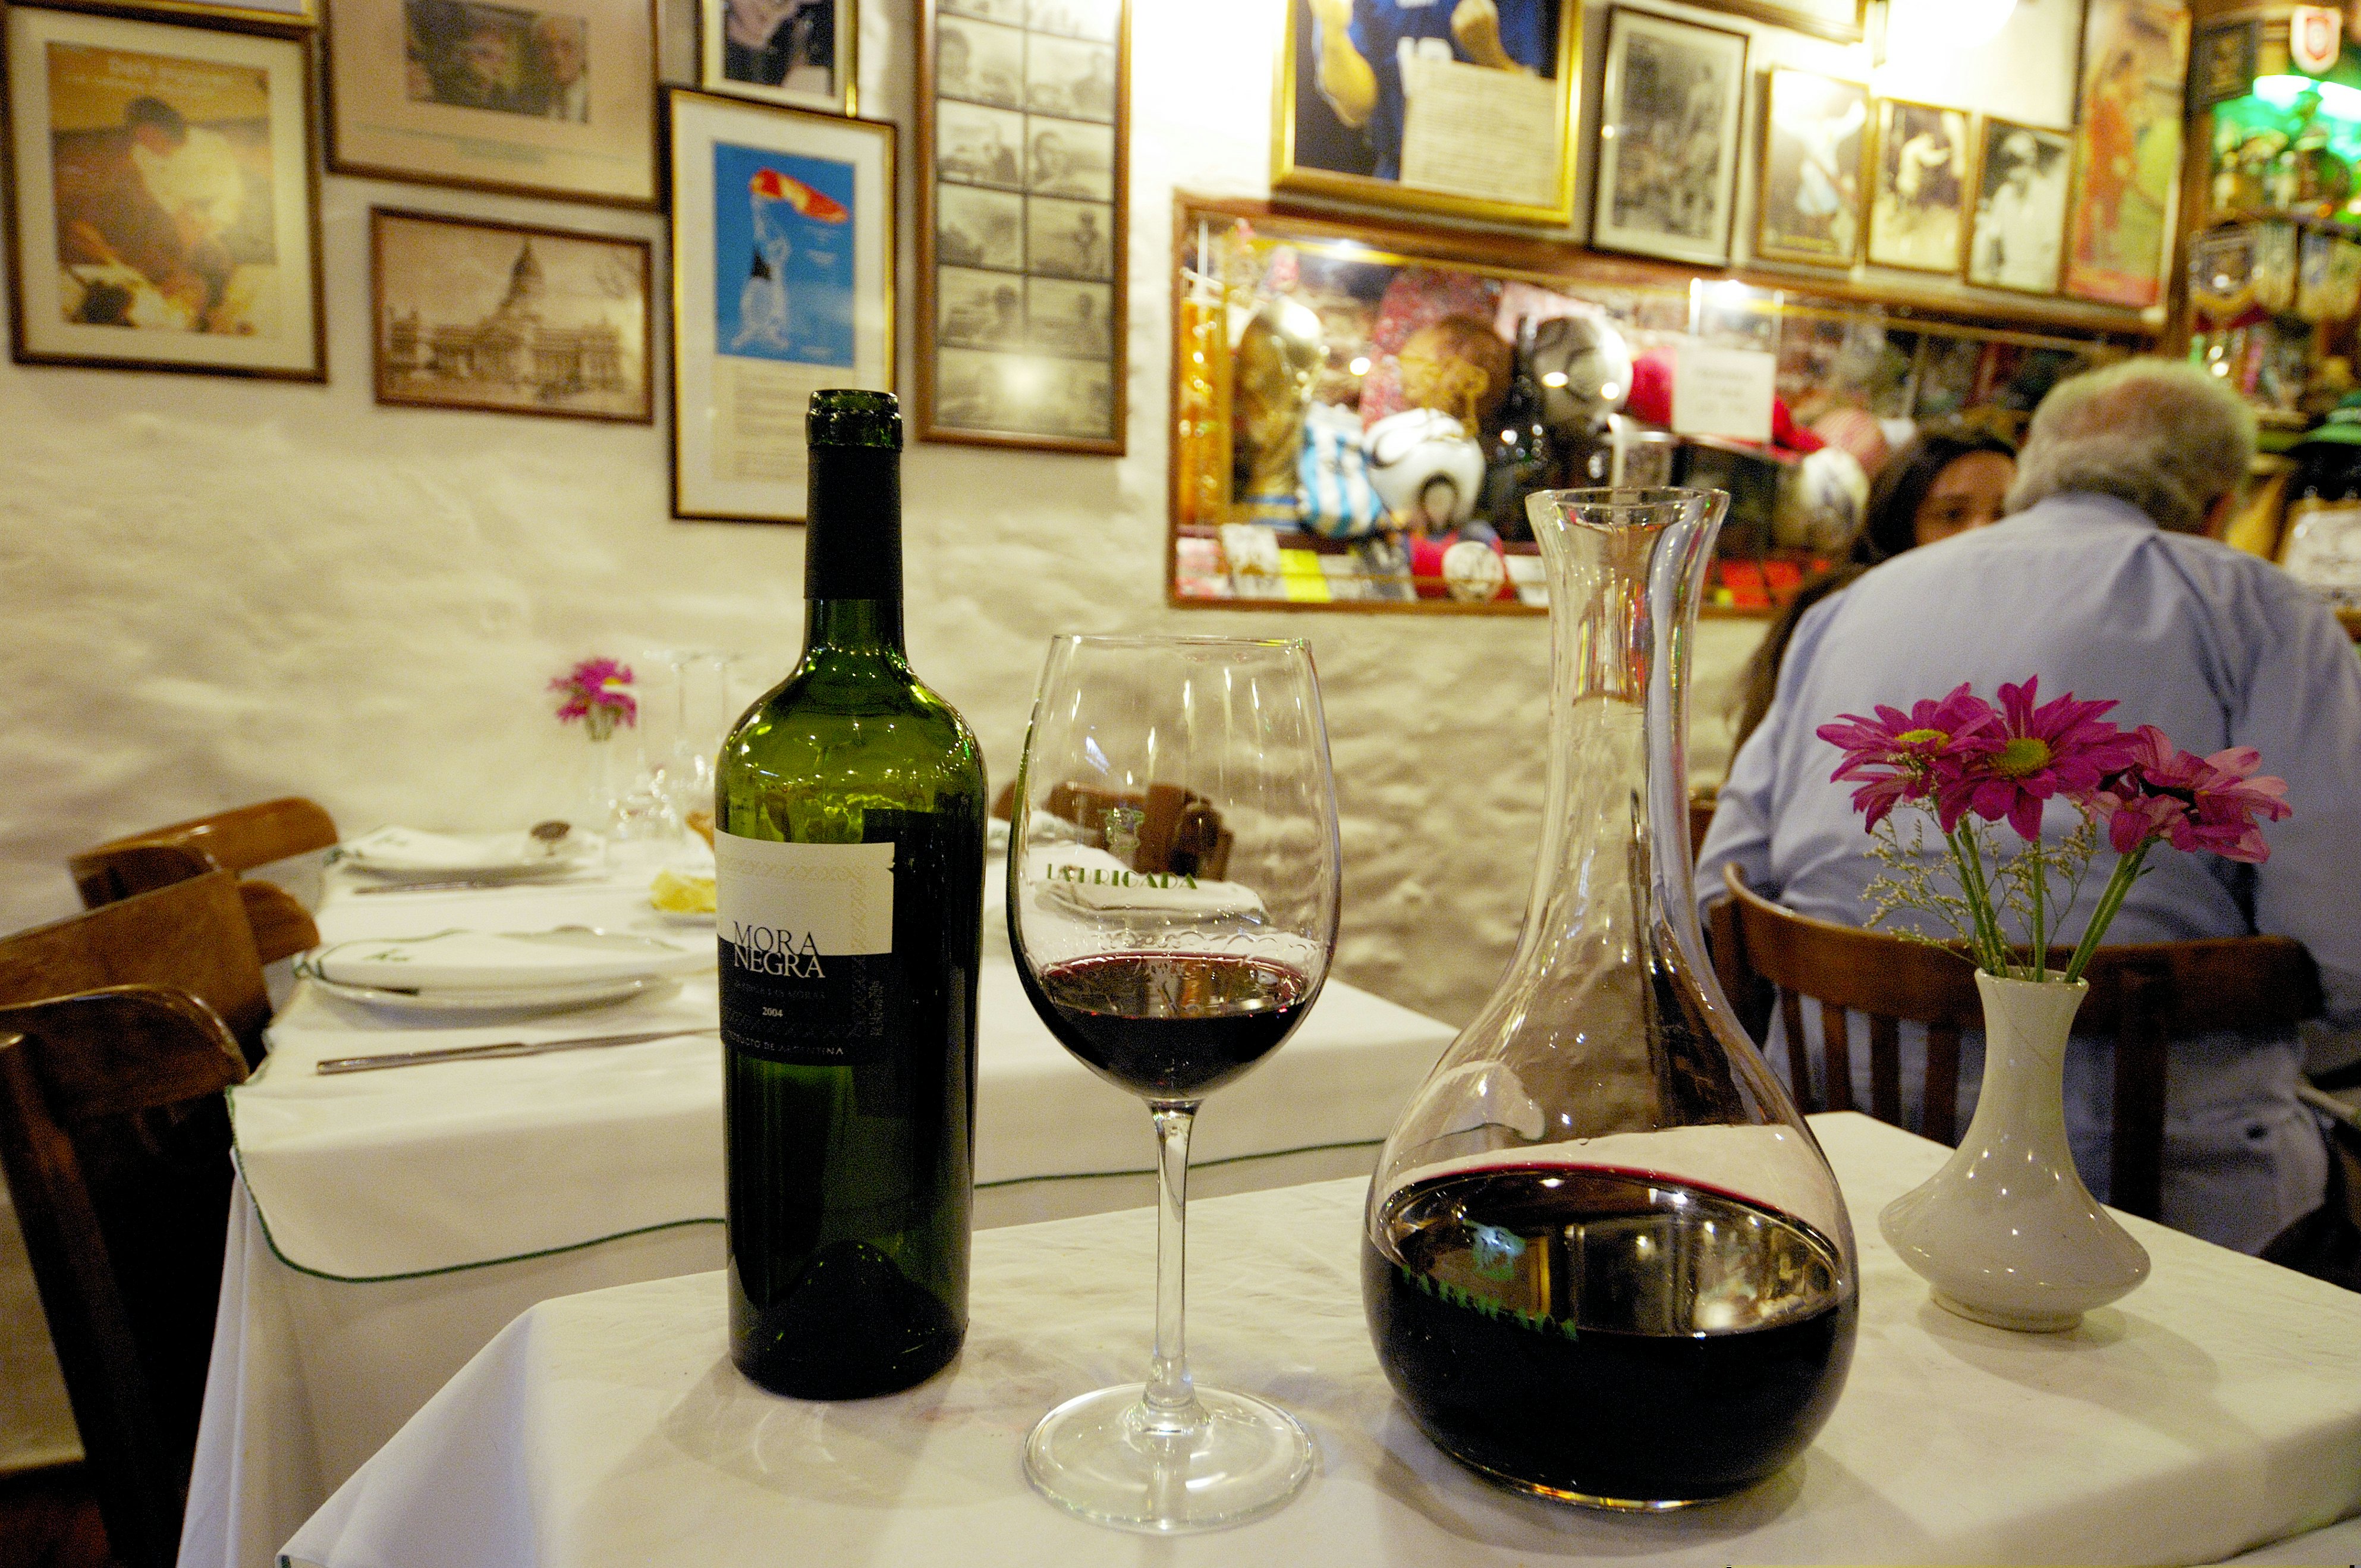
(499, 1048)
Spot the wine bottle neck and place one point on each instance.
(852, 627)
(853, 536)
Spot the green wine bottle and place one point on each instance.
(848, 877)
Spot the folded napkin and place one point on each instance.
(1095, 882)
(409, 849)
(477, 960)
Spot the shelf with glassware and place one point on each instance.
(1362, 408)
(2274, 282)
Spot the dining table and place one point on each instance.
(388, 1222)
(2214, 1411)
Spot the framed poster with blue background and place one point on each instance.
(783, 284)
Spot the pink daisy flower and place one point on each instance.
(2058, 748)
(1899, 756)
(597, 689)
(2195, 802)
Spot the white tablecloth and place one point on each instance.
(2216, 1409)
(389, 1223)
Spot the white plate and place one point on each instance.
(402, 854)
(461, 959)
(521, 999)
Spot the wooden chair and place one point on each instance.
(1179, 831)
(235, 840)
(2144, 994)
(116, 1142)
(192, 935)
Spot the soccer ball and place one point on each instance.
(1425, 467)
(1584, 371)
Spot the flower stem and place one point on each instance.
(2040, 926)
(2119, 885)
(1992, 952)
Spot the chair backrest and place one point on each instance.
(1178, 830)
(235, 841)
(116, 1142)
(2143, 993)
(192, 935)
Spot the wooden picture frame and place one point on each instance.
(1023, 200)
(1838, 21)
(1808, 193)
(2017, 229)
(1500, 150)
(788, 67)
(1921, 160)
(2128, 151)
(555, 101)
(809, 199)
(109, 116)
(1669, 85)
(469, 313)
(287, 17)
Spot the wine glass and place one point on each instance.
(1173, 889)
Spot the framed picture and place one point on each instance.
(536, 98)
(471, 314)
(782, 284)
(163, 212)
(273, 16)
(1023, 145)
(798, 52)
(1668, 127)
(1918, 197)
(1809, 203)
(2020, 219)
(1490, 137)
(2127, 150)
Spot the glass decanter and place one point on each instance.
(1605, 1260)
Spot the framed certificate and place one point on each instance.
(163, 215)
(1405, 104)
(543, 98)
(783, 284)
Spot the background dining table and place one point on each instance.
(387, 1224)
(2214, 1410)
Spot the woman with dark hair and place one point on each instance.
(1944, 482)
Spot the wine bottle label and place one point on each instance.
(807, 948)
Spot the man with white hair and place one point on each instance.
(2100, 582)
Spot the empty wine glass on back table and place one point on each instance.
(1173, 893)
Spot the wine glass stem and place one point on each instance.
(1170, 1398)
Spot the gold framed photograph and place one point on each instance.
(163, 212)
(1918, 204)
(2127, 150)
(269, 16)
(1493, 84)
(2018, 240)
(509, 318)
(541, 98)
(1807, 204)
(1023, 147)
(797, 52)
(781, 285)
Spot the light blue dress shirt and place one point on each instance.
(2213, 646)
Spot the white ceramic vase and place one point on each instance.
(2005, 1231)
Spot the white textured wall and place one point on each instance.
(215, 591)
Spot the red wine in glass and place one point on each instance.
(1607, 1335)
(1168, 1025)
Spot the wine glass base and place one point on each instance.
(1093, 1456)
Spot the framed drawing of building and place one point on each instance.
(1808, 201)
(1406, 105)
(539, 98)
(506, 317)
(797, 52)
(1922, 160)
(1668, 135)
(1024, 141)
(2127, 150)
(163, 212)
(783, 284)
